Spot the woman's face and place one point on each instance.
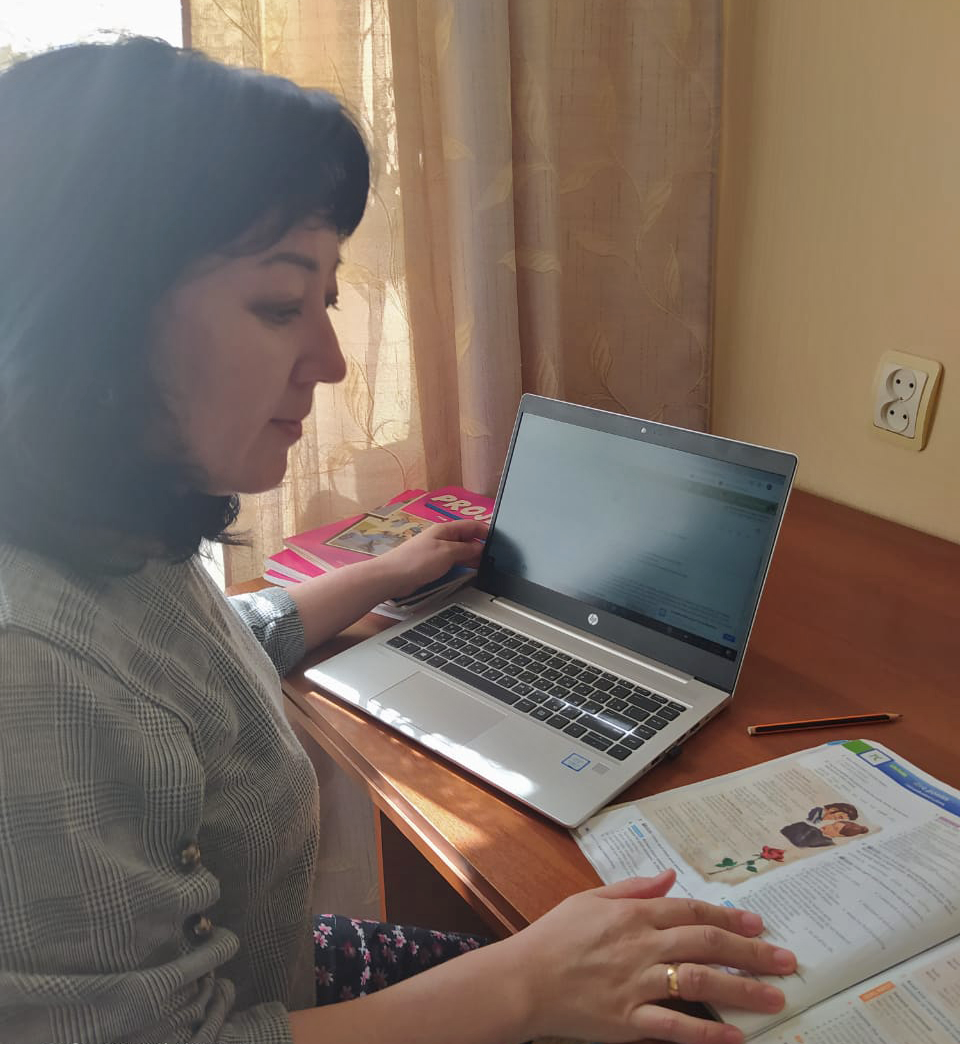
(241, 344)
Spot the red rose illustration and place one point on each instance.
(775, 854)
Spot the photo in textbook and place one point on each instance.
(731, 831)
(378, 534)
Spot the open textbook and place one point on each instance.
(851, 856)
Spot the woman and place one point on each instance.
(169, 243)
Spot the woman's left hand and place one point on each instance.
(432, 553)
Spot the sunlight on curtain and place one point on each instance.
(541, 221)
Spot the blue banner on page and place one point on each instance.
(882, 761)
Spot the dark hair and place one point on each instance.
(121, 165)
(839, 806)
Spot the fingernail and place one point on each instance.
(772, 998)
(751, 922)
(784, 959)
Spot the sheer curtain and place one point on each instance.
(541, 221)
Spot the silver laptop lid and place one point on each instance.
(655, 538)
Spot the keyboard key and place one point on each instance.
(492, 674)
(620, 691)
(636, 714)
(646, 702)
(657, 698)
(632, 741)
(593, 740)
(541, 714)
(603, 727)
(574, 700)
(616, 704)
(582, 689)
(575, 729)
(569, 712)
(426, 628)
(619, 752)
(563, 682)
(678, 707)
(603, 684)
(645, 731)
(521, 688)
(524, 706)
(591, 706)
(554, 704)
(558, 721)
(656, 722)
(491, 688)
(550, 674)
(526, 676)
(555, 662)
(618, 721)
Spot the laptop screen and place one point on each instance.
(655, 527)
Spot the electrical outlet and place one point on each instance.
(904, 396)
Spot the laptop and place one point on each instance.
(609, 617)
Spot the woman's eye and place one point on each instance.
(279, 314)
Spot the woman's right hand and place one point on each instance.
(595, 966)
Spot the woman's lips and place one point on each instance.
(292, 429)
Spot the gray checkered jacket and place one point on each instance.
(158, 818)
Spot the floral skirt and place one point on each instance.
(353, 957)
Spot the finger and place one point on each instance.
(671, 913)
(666, 1024)
(464, 554)
(697, 982)
(462, 529)
(708, 944)
(639, 887)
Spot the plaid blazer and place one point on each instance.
(158, 818)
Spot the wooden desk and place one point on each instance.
(859, 614)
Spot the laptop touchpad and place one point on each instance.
(426, 702)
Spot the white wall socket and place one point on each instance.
(904, 395)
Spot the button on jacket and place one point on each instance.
(141, 724)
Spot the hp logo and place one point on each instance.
(593, 619)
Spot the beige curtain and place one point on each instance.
(541, 221)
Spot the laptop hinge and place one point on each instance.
(640, 661)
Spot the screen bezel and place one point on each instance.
(702, 664)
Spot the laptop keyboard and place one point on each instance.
(602, 710)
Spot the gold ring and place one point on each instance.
(673, 981)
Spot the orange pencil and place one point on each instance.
(821, 723)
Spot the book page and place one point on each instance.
(848, 854)
(917, 1002)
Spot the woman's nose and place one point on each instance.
(322, 361)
